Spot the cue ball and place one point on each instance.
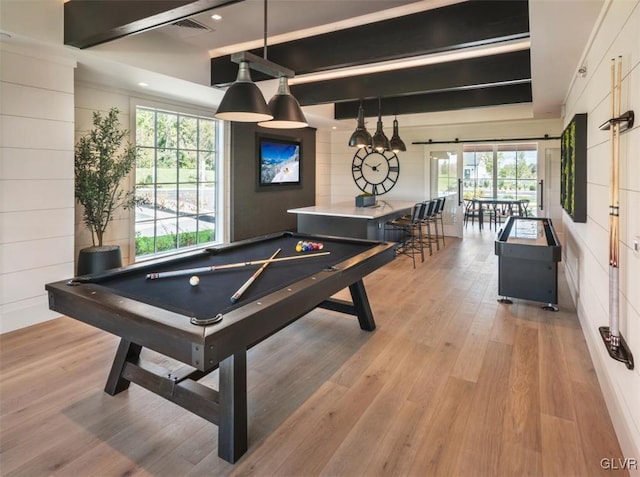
(193, 281)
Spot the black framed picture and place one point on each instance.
(279, 161)
(573, 168)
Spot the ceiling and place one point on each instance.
(504, 52)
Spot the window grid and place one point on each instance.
(501, 171)
(181, 209)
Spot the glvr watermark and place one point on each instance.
(617, 463)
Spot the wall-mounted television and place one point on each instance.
(278, 161)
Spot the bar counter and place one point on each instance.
(346, 220)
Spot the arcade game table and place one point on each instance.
(528, 252)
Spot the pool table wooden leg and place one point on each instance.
(127, 352)
(232, 428)
(362, 307)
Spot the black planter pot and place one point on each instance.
(98, 259)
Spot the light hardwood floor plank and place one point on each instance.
(555, 381)
(561, 452)
(482, 442)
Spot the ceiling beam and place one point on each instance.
(90, 23)
(442, 101)
(461, 25)
(507, 68)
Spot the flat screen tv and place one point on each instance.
(278, 161)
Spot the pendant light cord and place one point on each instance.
(264, 53)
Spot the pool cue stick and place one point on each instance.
(614, 310)
(236, 296)
(213, 268)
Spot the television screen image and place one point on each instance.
(279, 162)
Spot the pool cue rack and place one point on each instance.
(621, 352)
(611, 336)
(625, 122)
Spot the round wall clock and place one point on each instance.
(375, 172)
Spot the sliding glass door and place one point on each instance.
(503, 171)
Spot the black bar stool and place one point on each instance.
(411, 232)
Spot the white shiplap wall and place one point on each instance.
(587, 248)
(36, 182)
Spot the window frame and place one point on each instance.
(494, 149)
(219, 178)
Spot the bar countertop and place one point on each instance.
(382, 208)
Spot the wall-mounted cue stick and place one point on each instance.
(213, 268)
(236, 296)
(614, 312)
(611, 336)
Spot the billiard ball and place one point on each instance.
(194, 280)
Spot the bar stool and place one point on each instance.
(432, 218)
(439, 215)
(430, 206)
(411, 232)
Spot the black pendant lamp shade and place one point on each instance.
(360, 137)
(243, 101)
(395, 142)
(380, 140)
(285, 109)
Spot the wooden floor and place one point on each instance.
(450, 383)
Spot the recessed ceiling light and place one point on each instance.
(215, 16)
(144, 85)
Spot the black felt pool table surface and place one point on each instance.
(213, 294)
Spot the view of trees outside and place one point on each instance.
(176, 173)
(506, 171)
(446, 164)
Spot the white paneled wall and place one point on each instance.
(587, 244)
(36, 183)
(323, 167)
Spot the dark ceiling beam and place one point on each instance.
(442, 29)
(499, 69)
(92, 22)
(443, 101)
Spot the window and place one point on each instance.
(517, 171)
(478, 170)
(176, 173)
(505, 171)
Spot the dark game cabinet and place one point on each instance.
(529, 252)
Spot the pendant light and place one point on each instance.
(395, 142)
(285, 109)
(243, 101)
(380, 141)
(360, 137)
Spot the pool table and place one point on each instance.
(200, 327)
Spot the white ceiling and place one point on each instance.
(560, 30)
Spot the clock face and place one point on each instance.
(375, 172)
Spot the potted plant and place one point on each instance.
(101, 163)
(365, 200)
